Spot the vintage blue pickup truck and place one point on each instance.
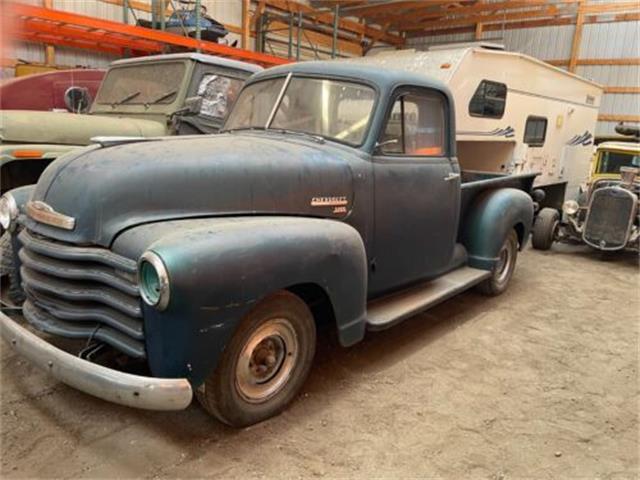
(333, 195)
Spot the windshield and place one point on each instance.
(139, 84)
(610, 162)
(334, 109)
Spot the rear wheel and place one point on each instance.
(545, 229)
(504, 268)
(264, 365)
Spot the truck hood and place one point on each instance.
(26, 126)
(107, 190)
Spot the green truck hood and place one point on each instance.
(22, 126)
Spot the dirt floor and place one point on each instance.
(541, 382)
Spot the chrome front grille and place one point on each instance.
(81, 292)
(609, 218)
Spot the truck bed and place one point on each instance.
(474, 182)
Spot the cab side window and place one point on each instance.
(416, 126)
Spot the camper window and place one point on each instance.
(415, 126)
(535, 131)
(489, 100)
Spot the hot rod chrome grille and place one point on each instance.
(81, 292)
(610, 215)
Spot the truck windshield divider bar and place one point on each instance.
(278, 100)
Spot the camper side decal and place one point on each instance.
(508, 132)
(585, 139)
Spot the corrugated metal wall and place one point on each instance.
(603, 40)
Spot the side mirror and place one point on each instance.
(193, 105)
(77, 99)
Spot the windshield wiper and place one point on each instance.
(239, 129)
(131, 96)
(162, 97)
(317, 138)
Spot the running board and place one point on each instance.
(387, 311)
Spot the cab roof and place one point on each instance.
(385, 79)
(197, 57)
(631, 146)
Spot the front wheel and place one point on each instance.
(264, 365)
(503, 269)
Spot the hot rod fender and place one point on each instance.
(488, 221)
(220, 268)
(22, 195)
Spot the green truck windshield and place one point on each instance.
(610, 162)
(140, 84)
(338, 110)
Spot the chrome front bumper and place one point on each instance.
(131, 390)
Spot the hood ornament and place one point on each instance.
(43, 213)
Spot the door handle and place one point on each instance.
(451, 176)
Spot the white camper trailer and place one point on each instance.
(514, 113)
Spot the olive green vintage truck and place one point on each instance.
(174, 94)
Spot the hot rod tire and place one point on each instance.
(264, 365)
(545, 228)
(503, 270)
(8, 269)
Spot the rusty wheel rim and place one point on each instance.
(267, 361)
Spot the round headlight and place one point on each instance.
(153, 280)
(8, 211)
(570, 207)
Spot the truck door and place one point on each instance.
(417, 191)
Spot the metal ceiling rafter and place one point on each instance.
(38, 24)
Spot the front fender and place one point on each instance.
(493, 214)
(220, 268)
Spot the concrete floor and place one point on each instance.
(541, 382)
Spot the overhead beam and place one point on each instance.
(547, 22)
(368, 9)
(327, 18)
(617, 6)
(605, 117)
(613, 89)
(478, 8)
(549, 11)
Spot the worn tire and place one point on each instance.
(8, 269)
(503, 270)
(231, 392)
(6, 254)
(545, 228)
